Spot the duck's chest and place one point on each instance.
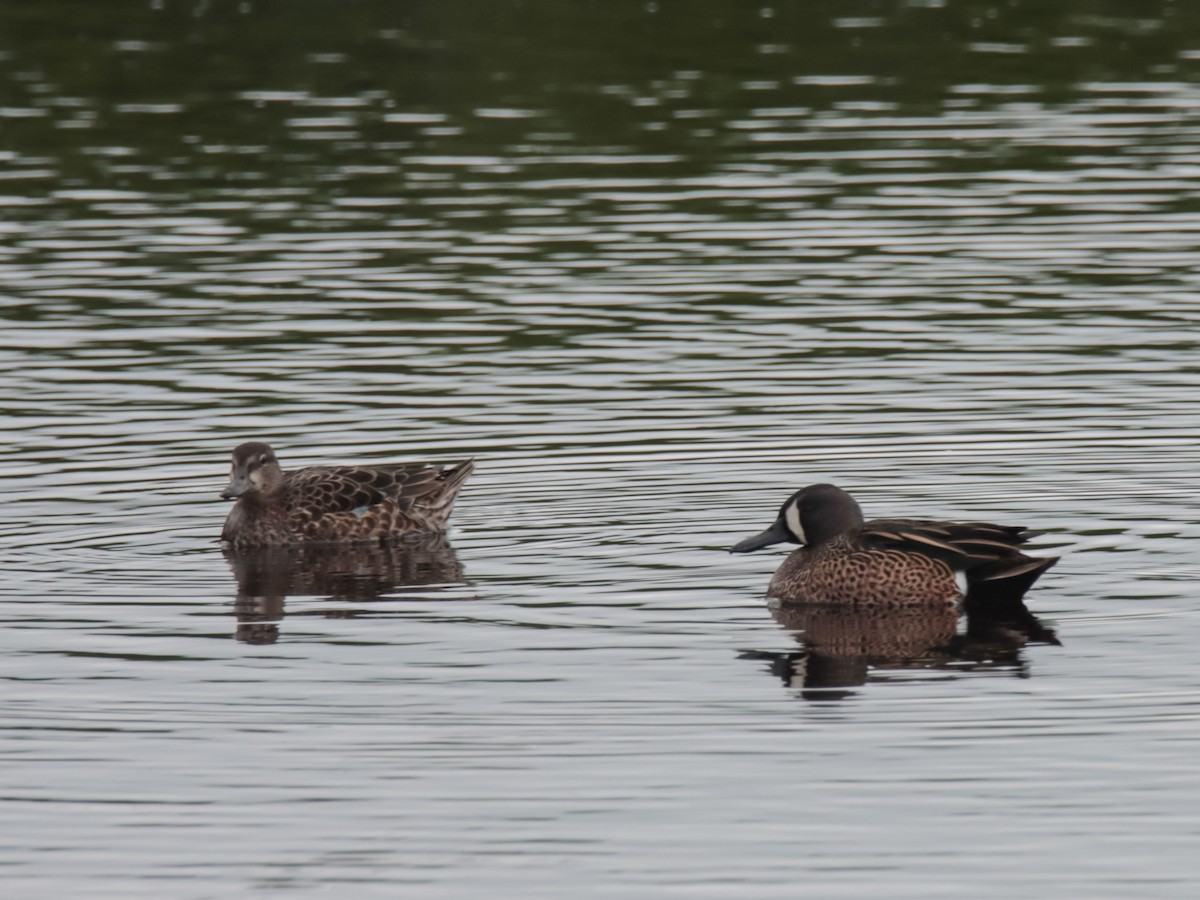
(256, 525)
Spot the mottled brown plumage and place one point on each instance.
(891, 562)
(334, 504)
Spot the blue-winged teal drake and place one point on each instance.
(891, 562)
(334, 504)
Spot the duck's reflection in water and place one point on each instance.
(347, 573)
(841, 646)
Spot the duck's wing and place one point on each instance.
(419, 486)
(970, 540)
(332, 489)
(986, 552)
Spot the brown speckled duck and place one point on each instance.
(891, 562)
(334, 504)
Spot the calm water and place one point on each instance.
(654, 266)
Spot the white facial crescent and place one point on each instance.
(792, 517)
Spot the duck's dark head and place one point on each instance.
(254, 470)
(811, 516)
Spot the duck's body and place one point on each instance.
(891, 562)
(334, 504)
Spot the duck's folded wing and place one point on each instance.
(989, 554)
(420, 485)
(333, 489)
(354, 488)
(962, 543)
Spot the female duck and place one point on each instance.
(334, 504)
(891, 562)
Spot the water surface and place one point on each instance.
(655, 268)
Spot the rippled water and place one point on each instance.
(654, 269)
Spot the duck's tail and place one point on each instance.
(1007, 579)
(438, 504)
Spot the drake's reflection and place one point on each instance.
(347, 572)
(841, 646)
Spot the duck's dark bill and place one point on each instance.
(776, 534)
(236, 487)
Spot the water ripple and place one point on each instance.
(652, 296)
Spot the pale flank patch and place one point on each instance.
(792, 517)
(960, 579)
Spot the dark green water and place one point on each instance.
(655, 266)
